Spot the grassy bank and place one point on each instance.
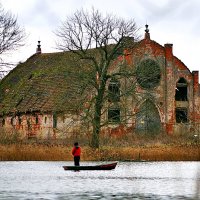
(39, 152)
(128, 147)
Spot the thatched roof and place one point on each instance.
(50, 82)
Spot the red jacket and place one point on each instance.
(76, 151)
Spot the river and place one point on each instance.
(130, 180)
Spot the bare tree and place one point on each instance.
(11, 36)
(107, 35)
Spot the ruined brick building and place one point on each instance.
(41, 97)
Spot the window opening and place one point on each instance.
(181, 90)
(181, 115)
(36, 120)
(20, 120)
(45, 120)
(3, 122)
(114, 91)
(54, 121)
(28, 124)
(12, 121)
(114, 115)
(63, 118)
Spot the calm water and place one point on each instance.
(147, 180)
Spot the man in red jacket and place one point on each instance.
(76, 152)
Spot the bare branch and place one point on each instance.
(99, 40)
(12, 37)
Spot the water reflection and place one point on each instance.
(197, 195)
(48, 180)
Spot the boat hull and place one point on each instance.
(95, 167)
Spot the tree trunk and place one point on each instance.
(96, 131)
(97, 116)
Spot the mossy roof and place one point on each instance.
(50, 82)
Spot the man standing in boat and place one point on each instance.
(76, 152)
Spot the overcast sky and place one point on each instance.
(170, 21)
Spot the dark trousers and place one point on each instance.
(76, 160)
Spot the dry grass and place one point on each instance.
(35, 152)
(17, 152)
(112, 147)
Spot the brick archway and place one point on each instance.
(148, 119)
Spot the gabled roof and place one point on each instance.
(45, 82)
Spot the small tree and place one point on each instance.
(11, 35)
(107, 35)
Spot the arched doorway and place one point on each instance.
(148, 119)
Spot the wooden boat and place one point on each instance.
(109, 166)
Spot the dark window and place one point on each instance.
(181, 90)
(181, 115)
(12, 121)
(45, 120)
(36, 120)
(114, 115)
(114, 91)
(28, 124)
(20, 120)
(182, 80)
(63, 119)
(54, 121)
(3, 122)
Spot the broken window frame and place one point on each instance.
(181, 93)
(181, 115)
(114, 115)
(114, 91)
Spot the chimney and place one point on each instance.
(38, 49)
(168, 51)
(195, 80)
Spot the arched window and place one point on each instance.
(181, 90)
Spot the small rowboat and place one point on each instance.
(95, 167)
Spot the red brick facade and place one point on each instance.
(173, 102)
(176, 97)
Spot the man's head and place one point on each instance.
(76, 144)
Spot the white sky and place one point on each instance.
(170, 21)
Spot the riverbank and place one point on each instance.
(41, 152)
